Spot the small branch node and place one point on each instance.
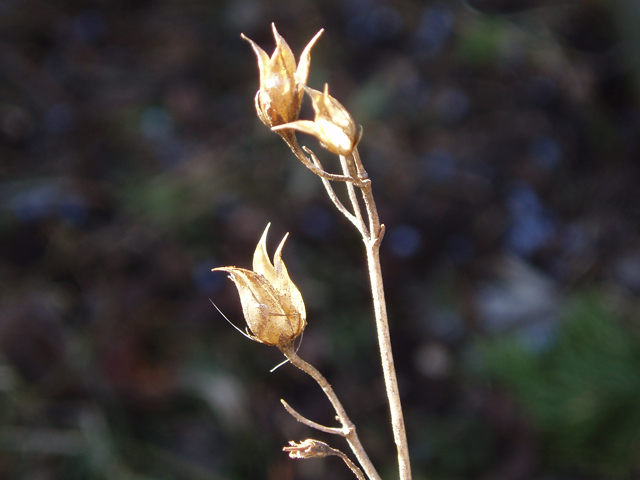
(379, 236)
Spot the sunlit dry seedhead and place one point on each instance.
(271, 303)
(282, 84)
(333, 126)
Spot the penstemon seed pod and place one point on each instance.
(271, 303)
(281, 83)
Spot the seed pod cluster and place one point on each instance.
(279, 99)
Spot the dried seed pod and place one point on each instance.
(271, 303)
(279, 98)
(333, 126)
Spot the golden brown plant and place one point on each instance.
(282, 84)
(271, 303)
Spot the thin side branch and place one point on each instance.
(332, 194)
(311, 423)
(292, 141)
(350, 430)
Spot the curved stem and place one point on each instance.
(349, 430)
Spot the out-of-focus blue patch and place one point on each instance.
(374, 24)
(451, 105)
(73, 209)
(528, 233)
(316, 222)
(227, 108)
(531, 226)
(354, 8)
(7, 6)
(538, 336)
(626, 271)
(574, 239)
(156, 124)
(171, 152)
(244, 15)
(48, 201)
(412, 94)
(35, 204)
(545, 152)
(206, 281)
(523, 200)
(90, 26)
(445, 324)
(226, 206)
(59, 119)
(434, 29)
(404, 241)
(421, 449)
(520, 297)
(459, 249)
(540, 91)
(438, 165)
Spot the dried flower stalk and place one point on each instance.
(348, 430)
(272, 304)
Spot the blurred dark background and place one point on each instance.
(502, 137)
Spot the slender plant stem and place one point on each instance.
(347, 166)
(384, 340)
(372, 245)
(349, 430)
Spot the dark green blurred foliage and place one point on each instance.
(581, 395)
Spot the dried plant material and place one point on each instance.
(271, 303)
(277, 274)
(279, 98)
(333, 126)
(311, 448)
